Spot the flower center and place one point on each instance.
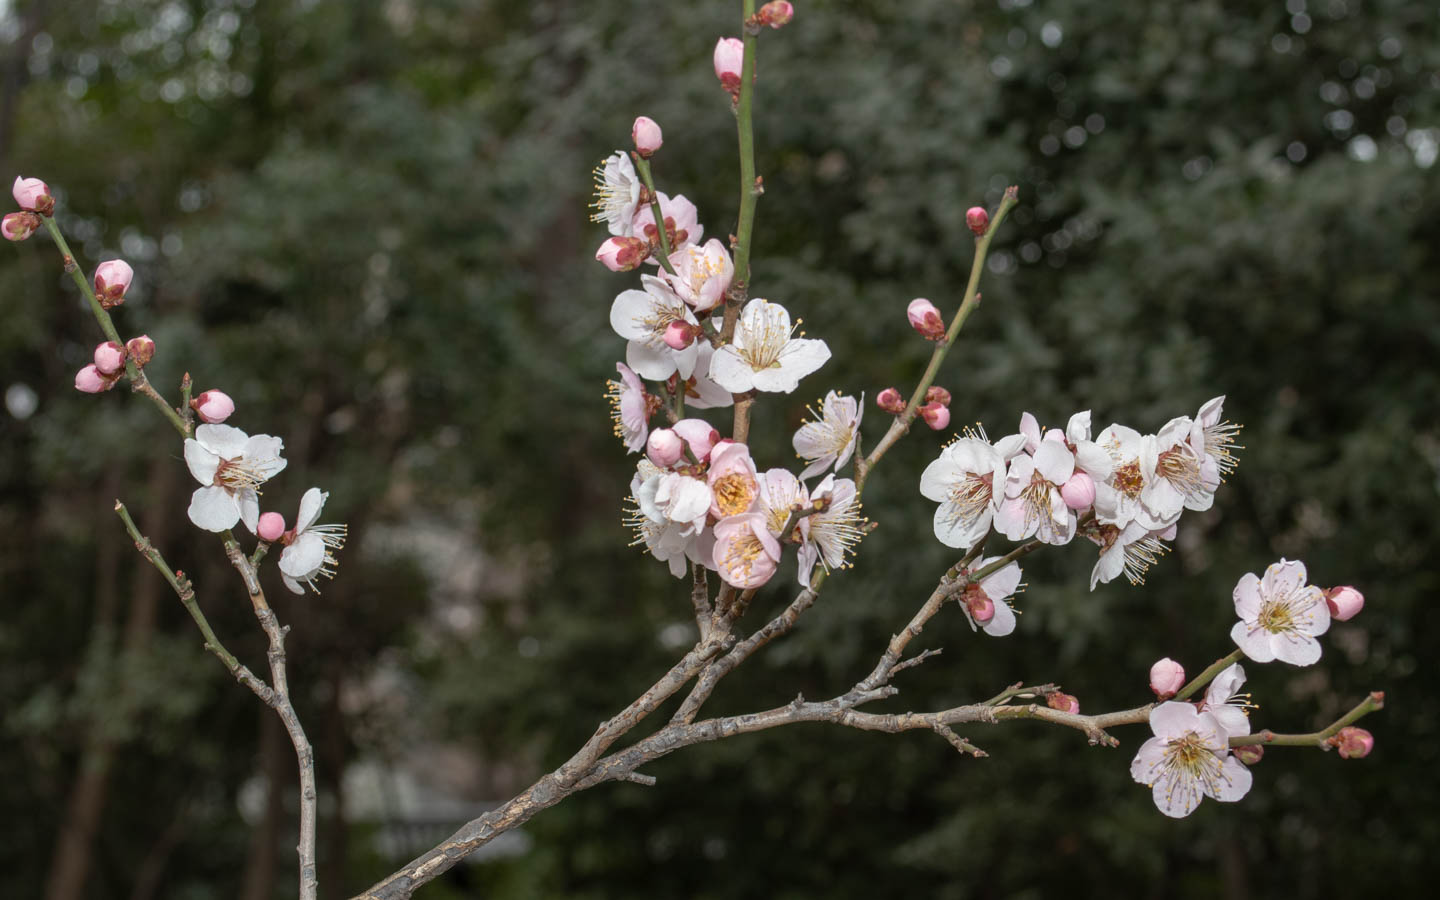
(614, 194)
(836, 532)
(971, 497)
(741, 554)
(734, 493)
(766, 335)
(1276, 616)
(239, 474)
(1220, 445)
(1140, 555)
(1189, 762)
(1181, 468)
(1128, 480)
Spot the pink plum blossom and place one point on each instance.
(1032, 506)
(699, 435)
(33, 195)
(310, 549)
(936, 415)
(664, 496)
(617, 195)
(734, 483)
(830, 439)
(1214, 439)
(937, 394)
(664, 448)
(890, 401)
(642, 317)
(926, 319)
(745, 554)
(1079, 492)
(109, 357)
(646, 135)
(1344, 602)
(1353, 743)
(1167, 677)
(780, 494)
(213, 406)
(681, 218)
(622, 254)
(1131, 550)
(700, 389)
(776, 13)
(18, 226)
(230, 465)
(679, 335)
(1066, 703)
(702, 274)
(1280, 615)
(1224, 701)
(1188, 758)
(763, 356)
(270, 526)
(629, 408)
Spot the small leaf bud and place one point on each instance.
(141, 349)
(978, 220)
(18, 226)
(890, 401)
(936, 416)
(1249, 754)
(1063, 702)
(1353, 743)
(925, 318)
(939, 395)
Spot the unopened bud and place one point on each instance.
(270, 526)
(18, 226)
(1249, 754)
(622, 254)
(112, 280)
(213, 407)
(700, 435)
(925, 318)
(890, 401)
(978, 220)
(1353, 743)
(1167, 677)
(776, 14)
(679, 335)
(92, 381)
(109, 358)
(980, 607)
(664, 448)
(1063, 702)
(936, 416)
(938, 395)
(1345, 602)
(1079, 491)
(141, 349)
(646, 135)
(33, 195)
(729, 60)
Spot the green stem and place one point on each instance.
(749, 192)
(1208, 675)
(902, 422)
(1005, 560)
(1376, 700)
(139, 383)
(642, 165)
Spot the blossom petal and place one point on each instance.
(1295, 648)
(1247, 597)
(729, 370)
(303, 556)
(1173, 718)
(1148, 761)
(1002, 623)
(1233, 783)
(213, 509)
(1255, 642)
(310, 505)
(225, 441)
(203, 462)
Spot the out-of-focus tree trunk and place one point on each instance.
(265, 839)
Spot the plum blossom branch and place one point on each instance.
(642, 167)
(1375, 700)
(1205, 677)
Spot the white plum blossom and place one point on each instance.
(670, 542)
(830, 439)
(629, 408)
(967, 481)
(832, 533)
(1131, 550)
(1033, 505)
(1180, 482)
(617, 194)
(1119, 499)
(309, 548)
(670, 497)
(702, 274)
(231, 465)
(997, 588)
(1280, 615)
(1188, 758)
(1224, 701)
(763, 356)
(780, 493)
(701, 391)
(1214, 439)
(641, 317)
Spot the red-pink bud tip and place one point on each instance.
(679, 335)
(92, 381)
(1345, 602)
(112, 280)
(270, 526)
(1063, 702)
(925, 318)
(776, 14)
(109, 358)
(890, 401)
(1249, 754)
(978, 220)
(936, 416)
(1167, 677)
(980, 607)
(141, 349)
(1079, 491)
(729, 59)
(646, 135)
(1353, 743)
(213, 407)
(33, 195)
(938, 395)
(622, 254)
(17, 226)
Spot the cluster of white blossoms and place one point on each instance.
(231, 466)
(1123, 490)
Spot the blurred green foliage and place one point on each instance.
(366, 222)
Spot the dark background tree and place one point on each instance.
(366, 222)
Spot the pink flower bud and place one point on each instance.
(729, 59)
(776, 14)
(679, 335)
(18, 226)
(1345, 602)
(34, 195)
(141, 349)
(1079, 491)
(1167, 677)
(978, 220)
(980, 607)
(936, 416)
(1249, 754)
(91, 381)
(270, 526)
(664, 448)
(621, 254)
(890, 401)
(700, 435)
(1353, 743)
(646, 135)
(938, 395)
(109, 358)
(1063, 702)
(112, 280)
(214, 407)
(925, 318)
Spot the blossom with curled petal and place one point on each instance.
(1188, 758)
(1280, 615)
(1214, 439)
(763, 356)
(1131, 550)
(1224, 701)
(629, 408)
(664, 496)
(641, 317)
(830, 439)
(830, 535)
(231, 465)
(309, 548)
